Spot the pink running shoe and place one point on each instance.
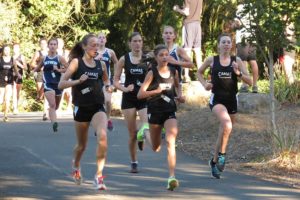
(99, 183)
(110, 125)
(76, 174)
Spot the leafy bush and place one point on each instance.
(285, 92)
(29, 99)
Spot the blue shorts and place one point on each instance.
(52, 87)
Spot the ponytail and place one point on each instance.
(76, 52)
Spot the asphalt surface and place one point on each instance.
(35, 164)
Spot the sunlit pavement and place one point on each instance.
(35, 163)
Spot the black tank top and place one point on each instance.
(90, 91)
(224, 79)
(6, 68)
(134, 74)
(162, 102)
(19, 59)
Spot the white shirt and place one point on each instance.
(245, 20)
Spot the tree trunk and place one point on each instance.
(272, 98)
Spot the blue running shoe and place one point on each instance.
(55, 127)
(134, 168)
(221, 163)
(214, 170)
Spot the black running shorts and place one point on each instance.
(85, 114)
(160, 118)
(230, 104)
(130, 101)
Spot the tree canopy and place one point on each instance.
(27, 20)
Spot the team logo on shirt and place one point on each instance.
(6, 66)
(136, 71)
(105, 59)
(92, 75)
(165, 86)
(50, 62)
(223, 75)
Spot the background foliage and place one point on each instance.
(26, 21)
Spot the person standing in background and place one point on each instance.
(289, 55)
(191, 31)
(7, 68)
(21, 66)
(246, 50)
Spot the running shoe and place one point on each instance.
(140, 136)
(76, 174)
(134, 168)
(172, 183)
(99, 183)
(110, 125)
(45, 118)
(244, 89)
(55, 126)
(15, 112)
(221, 162)
(215, 172)
(5, 119)
(254, 89)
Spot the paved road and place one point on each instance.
(35, 164)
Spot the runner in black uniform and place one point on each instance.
(159, 89)
(225, 71)
(21, 65)
(85, 75)
(6, 80)
(135, 73)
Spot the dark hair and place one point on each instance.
(223, 35)
(77, 51)
(2, 50)
(133, 35)
(159, 47)
(149, 59)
